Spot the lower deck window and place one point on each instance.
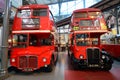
(19, 40)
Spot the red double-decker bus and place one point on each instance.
(33, 39)
(84, 41)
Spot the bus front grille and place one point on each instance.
(28, 62)
(93, 55)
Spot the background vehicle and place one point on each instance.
(33, 39)
(85, 49)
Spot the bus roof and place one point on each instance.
(33, 6)
(87, 10)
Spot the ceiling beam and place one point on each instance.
(27, 2)
(106, 4)
(62, 1)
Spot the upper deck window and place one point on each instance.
(24, 13)
(40, 12)
(80, 15)
(87, 14)
(94, 14)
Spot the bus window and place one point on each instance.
(94, 14)
(96, 22)
(44, 42)
(19, 40)
(24, 13)
(80, 15)
(81, 39)
(94, 41)
(40, 12)
(33, 41)
(82, 43)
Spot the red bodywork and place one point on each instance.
(45, 22)
(81, 50)
(87, 26)
(87, 14)
(33, 38)
(113, 49)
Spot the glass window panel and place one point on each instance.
(94, 14)
(20, 40)
(40, 12)
(24, 13)
(68, 7)
(80, 15)
(16, 3)
(54, 9)
(45, 42)
(85, 40)
(91, 2)
(82, 39)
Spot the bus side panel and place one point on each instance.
(114, 50)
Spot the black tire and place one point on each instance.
(56, 59)
(50, 67)
(76, 67)
(107, 67)
(68, 53)
(13, 70)
(10, 69)
(74, 64)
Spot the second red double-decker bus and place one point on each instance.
(33, 39)
(85, 49)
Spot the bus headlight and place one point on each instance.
(44, 59)
(9, 40)
(103, 56)
(13, 60)
(81, 56)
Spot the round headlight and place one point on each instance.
(81, 56)
(9, 40)
(13, 60)
(103, 56)
(44, 59)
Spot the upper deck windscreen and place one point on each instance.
(94, 14)
(80, 15)
(31, 17)
(87, 14)
(40, 12)
(88, 20)
(29, 13)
